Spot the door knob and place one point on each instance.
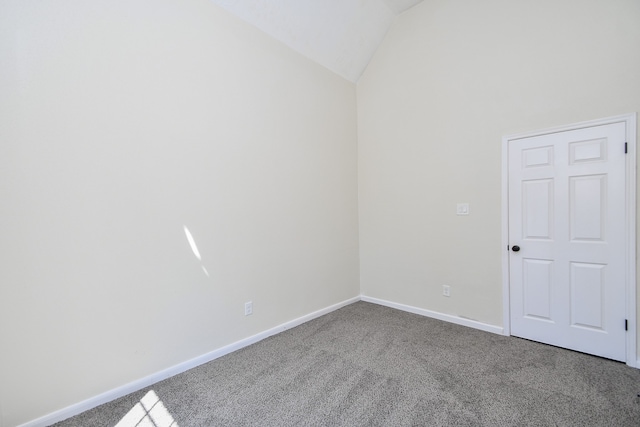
(515, 248)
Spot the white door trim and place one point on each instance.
(630, 121)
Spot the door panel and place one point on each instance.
(537, 209)
(567, 214)
(587, 295)
(587, 151)
(537, 283)
(587, 200)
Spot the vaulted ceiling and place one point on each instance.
(342, 35)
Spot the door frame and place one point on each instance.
(630, 121)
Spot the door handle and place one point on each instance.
(515, 248)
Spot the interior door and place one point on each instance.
(567, 242)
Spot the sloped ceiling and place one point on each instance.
(342, 35)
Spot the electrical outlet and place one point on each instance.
(248, 308)
(446, 290)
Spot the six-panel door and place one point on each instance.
(567, 215)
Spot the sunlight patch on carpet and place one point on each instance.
(149, 411)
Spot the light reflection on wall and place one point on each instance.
(194, 248)
(192, 243)
(149, 411)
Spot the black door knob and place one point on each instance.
(515, 248)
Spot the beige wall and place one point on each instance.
(121, 123)
(449, 81)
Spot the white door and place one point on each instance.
(567, 218)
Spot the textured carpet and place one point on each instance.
(367, 365)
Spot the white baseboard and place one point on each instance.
(435, 315)
(133, 386)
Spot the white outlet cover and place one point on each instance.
(462, 209)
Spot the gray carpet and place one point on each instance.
(367, 365)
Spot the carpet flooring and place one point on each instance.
(368, 365)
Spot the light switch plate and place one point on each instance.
(463, 209)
